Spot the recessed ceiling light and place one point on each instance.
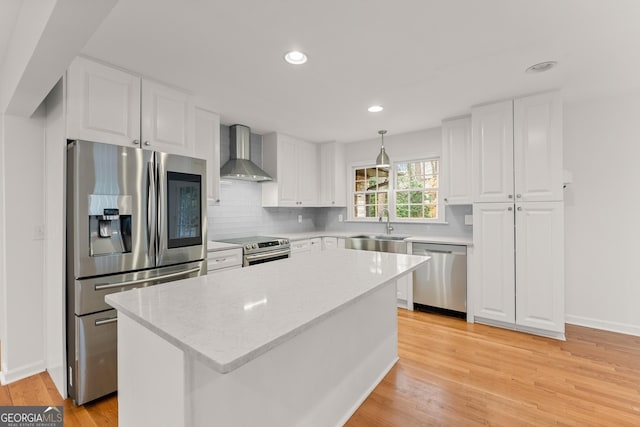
(375, 108)
(541, 67)
(295, 57)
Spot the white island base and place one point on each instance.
(318, 377)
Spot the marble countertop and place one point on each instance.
(229, 318)
(344, 234)
(213, 246)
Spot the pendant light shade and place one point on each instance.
(382, 161)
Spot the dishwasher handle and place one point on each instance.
(431, 251)
(433, 248)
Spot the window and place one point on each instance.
(409, 190)
(371, 192)
(416, 189)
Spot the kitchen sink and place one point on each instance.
(379, 237)
(379, 243)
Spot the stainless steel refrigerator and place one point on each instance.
(134, 218)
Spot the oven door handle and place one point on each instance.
(103, 286)
(264, 255)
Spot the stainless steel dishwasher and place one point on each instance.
(440, 285)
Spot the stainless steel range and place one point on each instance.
(260, 249)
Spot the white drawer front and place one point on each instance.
(223, 259)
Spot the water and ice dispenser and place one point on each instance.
(109, 224)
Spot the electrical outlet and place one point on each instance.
(38, 232)
(299, 219)
(340, 219)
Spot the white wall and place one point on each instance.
(602, 150)
(406, 146)
(55, 151)
(23, 341)
(3, 238)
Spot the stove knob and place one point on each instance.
(255, 246)
(247, 247)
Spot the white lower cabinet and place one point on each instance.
(540, 265)
(227, 259)
(332, 243)
(519, 266)
(306, 245)
(493, 241)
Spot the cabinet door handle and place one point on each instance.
(509, 208)
(510, 196)
(519, 208)
(147, 143)
(518, 196)
(221, 259)
(446, 200)
(136, 142)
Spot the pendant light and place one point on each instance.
(383, 159)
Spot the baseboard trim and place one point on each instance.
(605, 325)
(366, 394)
(7, 377)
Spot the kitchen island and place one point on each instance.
(300, 341)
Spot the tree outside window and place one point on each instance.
(416, 189)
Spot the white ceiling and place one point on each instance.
(424, 60)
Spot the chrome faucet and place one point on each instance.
(388, 227)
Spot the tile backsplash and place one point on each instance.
(240, 213)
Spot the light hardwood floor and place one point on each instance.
(452, 373)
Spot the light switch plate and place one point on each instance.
(340, 219)
(299, 219)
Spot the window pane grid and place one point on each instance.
(370, 192)
(416, 189)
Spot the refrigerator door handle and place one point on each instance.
(151, 208)
(106, 321)
(103, 286)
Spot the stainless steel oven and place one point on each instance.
(261, 249)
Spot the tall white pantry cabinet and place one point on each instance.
(518, 214)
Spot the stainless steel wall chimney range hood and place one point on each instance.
(240, 165)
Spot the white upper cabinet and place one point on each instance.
(168, 119)
(292, 163)
(492, 152)
(494, 276)
(207, 144)
(517, 150)
(456, 161)
(103, 104)
(307, 161)
(332, 175)
(538, 148)
(108, 105)
(540, 266)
